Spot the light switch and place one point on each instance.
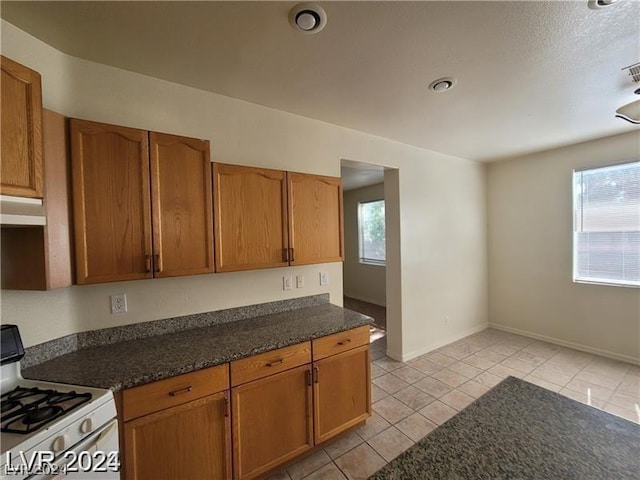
(287, 283)
(299, 281)
(324, 279)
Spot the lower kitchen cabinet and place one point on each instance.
(185, 442)
(272, 421)
(342, 392)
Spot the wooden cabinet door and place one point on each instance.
(111, 202)
(21, 126)
(315, 219)
(271, 421)
(185, 442)
(250, 210)
(342, 392)
(182, 210)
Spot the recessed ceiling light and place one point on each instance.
(307, 18)
(442, 84)
(597, 4)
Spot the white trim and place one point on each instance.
(10, 219)
(364, 298)
(435, 345)
(563, 343)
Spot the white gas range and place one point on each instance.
(52, 430)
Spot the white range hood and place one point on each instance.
(21, 211)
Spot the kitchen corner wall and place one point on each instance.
(530, 253)
(442, 270)
(362, 281)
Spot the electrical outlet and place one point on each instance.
(299, 281)
(287, 283)
(118, 303)
(324, 279)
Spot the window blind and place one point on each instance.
(607, 225)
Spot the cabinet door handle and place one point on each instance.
(147, 263)
(181, 390)
(280, 361)
(226, 406)
(315, 374)
(158, 262)
(344, 342)
(291, 257)
(285, 254)
(308, 377)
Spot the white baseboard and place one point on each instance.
(364, 298)
(435, 345)
(563, 343)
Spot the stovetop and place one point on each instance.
(25, 410)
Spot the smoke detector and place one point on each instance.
(307, 18)
(442, 84)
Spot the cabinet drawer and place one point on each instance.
(340, 342)
(268, 363)
(156, 396)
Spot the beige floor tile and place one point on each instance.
(437, 412)
(441, 359)
(473, 388)
(457, 399)
(582, 397)
(409, 374)
(388, 364)
(414, 397)
(479, 362)
(553, 374)
(502, 371)
(571, 359)
(391, 409)
(631, 415)
(426, 366)
(630, 385)
(360, 463)
(375, 424)
(606, 382)
(433, 387)
(281, 475)
(542, 349)
(308, 465)
(390, 383)
(588, 388)
(529, 357)
(376, 371)
(377, 393)
(377, 355)
(458, 351)
(390, 443)
(416, 427)
(465, 370)
(520, 365)
(504, 348)
(543, 383)
(608, 368)
(342, 445)
(624, 401)
(488, 379)
(328, 472)
(491, 355)
(450, 377)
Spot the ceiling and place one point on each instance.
(530, 75)
(358, 175)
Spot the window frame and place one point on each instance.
(363, 260)
(574, 236)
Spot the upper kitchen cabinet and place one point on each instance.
(250, 206)
(111, 202)
(21, 124)
(315, 219)
(120, 176)
(182, 211)
(271, 218)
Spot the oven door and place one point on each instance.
(96, 457)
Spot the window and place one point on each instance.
(606, 232)
(371, 232)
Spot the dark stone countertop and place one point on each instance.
(135, 362)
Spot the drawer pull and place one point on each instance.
(315, 374)
(182, 390)
(275, 362)
(308, 375)
(226, 406)
(344, 342)
(147, 263)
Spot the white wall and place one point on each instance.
(362, 281)
(530, 253)
(442, 198)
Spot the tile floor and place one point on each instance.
(411, 399)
